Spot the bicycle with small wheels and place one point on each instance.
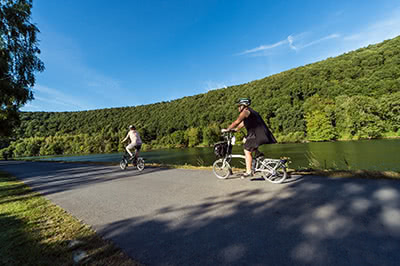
(272, 170)
(136, 162)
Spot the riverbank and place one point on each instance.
(319, 172)
(9, 152)
(37, 232)
(373, 155)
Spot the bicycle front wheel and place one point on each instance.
(123, 163)
(140, 164)
(221, 169)
(273, 171)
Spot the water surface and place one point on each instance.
(379, 155)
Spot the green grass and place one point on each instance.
(36, 232)
(314, 169)
(350, 173)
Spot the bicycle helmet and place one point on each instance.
(132, 127)
(244, 101)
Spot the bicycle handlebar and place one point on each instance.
(223, 131)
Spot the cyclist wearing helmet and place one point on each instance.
(257, 131)
(136, 142)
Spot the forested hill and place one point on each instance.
(351, 96)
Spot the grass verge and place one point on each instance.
(351, 173)
(309, 171)
(320, 172)
(36, 232)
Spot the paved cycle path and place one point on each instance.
(189, 217)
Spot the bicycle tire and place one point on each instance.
(221, 170)
(140, 164)
(123, 164)
(279, 173)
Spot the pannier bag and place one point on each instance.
(221, 149)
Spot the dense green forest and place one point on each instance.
(352, 96)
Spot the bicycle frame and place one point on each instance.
(273, 170)
(258, 163)
(129, 158)
(230, 140)
(137, 162)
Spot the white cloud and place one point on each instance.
(56, 100)
(378, 31)
(332, 36)
(211, 85)
(30, 107)
(70, 82)
(290, 40)
(263, 47)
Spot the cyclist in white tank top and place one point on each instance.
(136, 141)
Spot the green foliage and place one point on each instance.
(18, 61)
(211, 134)
(297, 136)
(352, 96)
(193, 136)
(389, 107)
(319, 118)
(357, 117)
(319, 127)
(5, 153)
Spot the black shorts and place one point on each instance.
(250, 144)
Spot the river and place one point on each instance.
(380, 155)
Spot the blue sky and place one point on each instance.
(103, 54)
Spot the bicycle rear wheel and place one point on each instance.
(273, 171)
(140, 164)
(221, 169)
(123, 163)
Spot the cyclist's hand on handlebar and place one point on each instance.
(225, 130)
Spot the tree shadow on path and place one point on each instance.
(315, 221)
(51, 178)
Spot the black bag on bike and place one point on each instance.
(221, 149)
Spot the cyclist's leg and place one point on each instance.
(249, 160)
(249, 146)
(137, 150)
(129, 148)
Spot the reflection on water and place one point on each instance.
(366, 154)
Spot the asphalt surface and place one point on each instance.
(189, 217)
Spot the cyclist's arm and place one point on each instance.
(127, 136)
(239, 120)
(239, 126)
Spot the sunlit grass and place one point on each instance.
(36, 232)
(351, 173)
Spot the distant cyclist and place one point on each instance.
(257, 131)
(136, 142)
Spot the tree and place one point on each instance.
(319, 126)
(193, 135)
(18, 60)
(319, 113)
(211, 134)
(389, 108)
(357, 117)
